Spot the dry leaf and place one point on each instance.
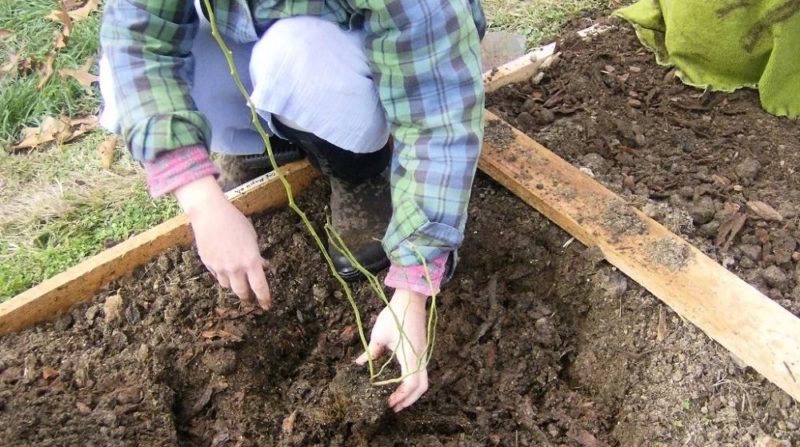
(59, 130)
(81, 75)
(61, 16)
(661, 328)
(5, 34)
(288, 423)
(47, 70)
(51, 129)
(764, 211)
(222, 334)
(48, 372)
(106, 151)
(72, 4)
(84, 11)
(61, 39)
(84, 123)
(84, 120)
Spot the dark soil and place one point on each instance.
(539, 343)
(714, 168)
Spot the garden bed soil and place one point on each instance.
(540, 342)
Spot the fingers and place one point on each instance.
(409, 391)
(222, 279)
(240, 286)
(259, 285)
(375, 350)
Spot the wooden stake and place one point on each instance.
(750, 325)
(57, 294)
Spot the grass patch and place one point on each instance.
(53, 245)
(57, 204)
(60, 206)
(537, 20)
(64, 241)
(21, 103)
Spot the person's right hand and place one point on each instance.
(226, 240)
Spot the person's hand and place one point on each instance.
(226, 240)
(409, 307)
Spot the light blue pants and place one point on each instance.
(305, 71)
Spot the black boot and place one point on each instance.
(361, 203)
(237, 170)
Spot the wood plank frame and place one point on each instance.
(79, 283)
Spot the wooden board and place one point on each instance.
(750, 325)
(79, 283)
(519, 69)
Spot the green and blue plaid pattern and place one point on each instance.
(425, 58)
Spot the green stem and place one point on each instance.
(338, 242)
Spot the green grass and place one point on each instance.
(64, 241)
(536, 20)
(21, 103)
(59, 206)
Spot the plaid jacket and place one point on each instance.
(425, 57)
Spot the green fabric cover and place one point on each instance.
(727, 44)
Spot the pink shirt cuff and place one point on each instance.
(413, 277)
(176, 168)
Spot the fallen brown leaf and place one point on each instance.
(5, 34)
(222, 334)
(48, 372)
(764, 211)
(90, 120)
(84, 11)
(661, 327)
(47, 70)
(51, 129)
(59, 130)
(61, 16)
(106, 151)
(729, 229)
(61, 39)
(288, 423)
(73, 4)
(81, 75)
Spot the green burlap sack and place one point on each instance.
(727, 44)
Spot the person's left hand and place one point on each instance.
(409, 308)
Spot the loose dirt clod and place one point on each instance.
(622, 220)
(670, 253)
(498, 134)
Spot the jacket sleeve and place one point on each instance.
(148, 46)
(425, 56)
